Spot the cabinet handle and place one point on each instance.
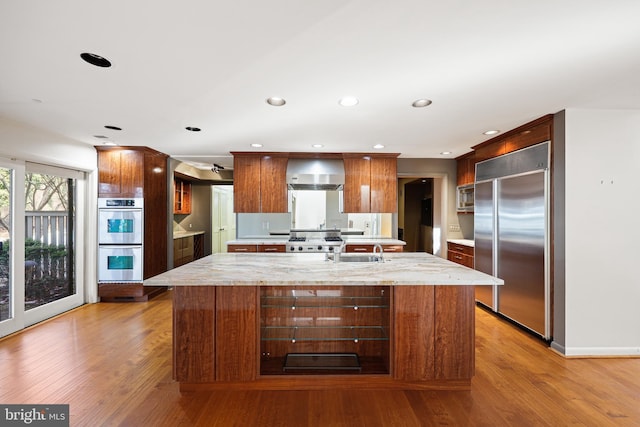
(240, 250)
(458, 257)
(270, 250)
(360, 250)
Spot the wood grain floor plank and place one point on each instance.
(112, 363)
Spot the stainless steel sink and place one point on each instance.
(359, 258)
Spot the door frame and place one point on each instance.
(440, 216)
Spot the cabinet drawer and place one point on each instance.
(271, 248)
(242, 248)
(461, 259)
(359, 248)
(369, 248)
(463, 249)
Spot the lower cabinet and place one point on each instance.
(369, 248)
(242, 248)
(187, 249)
(460, 254)
(310, 337)
(257, 248)
(182, 251)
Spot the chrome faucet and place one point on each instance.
(379, 246)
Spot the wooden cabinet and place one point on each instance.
(529, 134)
(369, 248)
(182, 196)
(466, 169)
(187, 249)
(120, 172)
(273, 184)
(125, 172)
(370, 183)
(242, 248)
(259, 182)
(460, 254)
(272, 248)
(183, 250)
(266, 247)
(404, 337)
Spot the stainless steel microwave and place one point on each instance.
(465, 198)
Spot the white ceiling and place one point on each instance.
(490, 64)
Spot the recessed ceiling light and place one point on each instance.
(317, 145)
(96, 60)
(444, 153)
(37, 101)
(112, 127)
(348, 101)
(423, 102)
(254, 145)
(192, 129)
(491, 132)
(276, 101)
(378, 146)
(100, 136)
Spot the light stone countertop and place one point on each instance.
(283, 240)
(181, 234)
(465, 242)
(268, 269)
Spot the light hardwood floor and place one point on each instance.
(111, 362)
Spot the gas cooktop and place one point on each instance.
(314, 241)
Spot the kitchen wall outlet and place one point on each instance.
(454, 227)
(190, 225)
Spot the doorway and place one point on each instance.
(421, 213)
(417, 227)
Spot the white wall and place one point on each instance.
(601, 202)
(35, 145)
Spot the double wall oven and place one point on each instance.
(120, 237)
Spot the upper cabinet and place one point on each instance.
(259, 181)
(120, 172)
(182, 196)
(529, 134)
(370, 183)
(524, 136)
(466, 168)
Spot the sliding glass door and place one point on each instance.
(38, 233)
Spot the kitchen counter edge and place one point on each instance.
(268, 269)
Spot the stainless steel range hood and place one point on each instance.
(315, 174)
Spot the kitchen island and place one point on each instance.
(298, 321)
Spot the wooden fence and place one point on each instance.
(48, 228)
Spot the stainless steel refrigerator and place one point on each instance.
(511, 223)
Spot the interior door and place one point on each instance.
(223, 223)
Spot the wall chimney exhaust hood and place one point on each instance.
(315, 174)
